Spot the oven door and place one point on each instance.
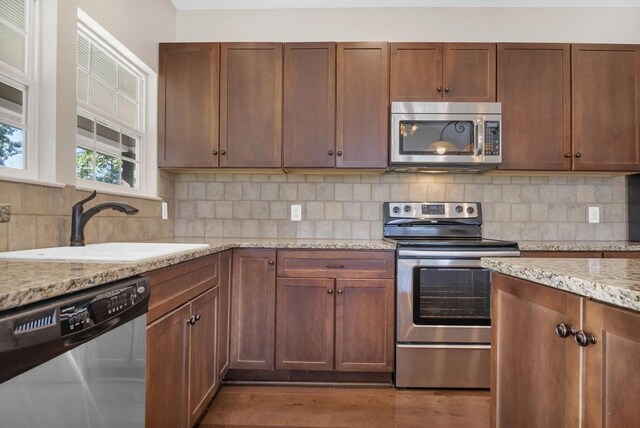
(443, 301)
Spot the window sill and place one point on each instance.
(31, 181)
(90, 186)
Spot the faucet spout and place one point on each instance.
(80, 218)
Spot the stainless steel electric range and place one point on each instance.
(443, 319)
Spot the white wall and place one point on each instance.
(140, 25)
(585, 25)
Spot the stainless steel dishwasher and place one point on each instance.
(76, 361)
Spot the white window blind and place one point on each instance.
(13, 33)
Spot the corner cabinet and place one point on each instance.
(188, 103)
(606, 107)
(251, 105)
(362, 105)
(450, 72)
(182, 341)
(561, 360)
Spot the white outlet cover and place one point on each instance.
(165, 211)
(296, 212)
(594, 214)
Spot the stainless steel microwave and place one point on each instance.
(463, 137)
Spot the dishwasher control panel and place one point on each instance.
(85, 314)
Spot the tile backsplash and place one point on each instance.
(41, 216)
(350, 206)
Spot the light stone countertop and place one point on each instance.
(613, 281)
(25, 282)
(578, 246)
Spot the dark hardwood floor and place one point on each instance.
(307, 406)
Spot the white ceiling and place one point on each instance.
(317, 4)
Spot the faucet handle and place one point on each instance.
(85, 200)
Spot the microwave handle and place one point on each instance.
(479, 137)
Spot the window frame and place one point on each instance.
(27, 80)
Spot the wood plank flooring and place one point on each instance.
(310, 406)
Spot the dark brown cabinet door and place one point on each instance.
(606, 107)
(224, 313)
(203, 373)
(364, 325)
(253, 305)
(188, 105)
(309, 105)
(535, 373)
(251, 105)
(416, 72)
(167, 352)
(469, 72)
(305, 316)
(611, 365)
(362, 105)
(534, 87)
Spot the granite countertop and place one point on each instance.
(613, 281)
(578, 246)
(24, 282)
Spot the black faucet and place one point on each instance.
(79, 218)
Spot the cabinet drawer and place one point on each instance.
(336, 264)
(175, 285)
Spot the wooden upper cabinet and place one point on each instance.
(250, 105)
(452, 72)
(416, 72)
(309, 105)
(606, 107)
(188, 105)
(469, 72)
(362, 105)
(534, 87)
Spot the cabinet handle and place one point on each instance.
(191, 320)
(584, 339)
(214, 152)
(330, 152)
(563, 330)
(339, 153)
(335, 266)
(271, 263)
(567, 155)
(330, 290)
(340, 291)
(223, 152)
(439, 89)
(197, 317)
(578, 155)
(446, 89)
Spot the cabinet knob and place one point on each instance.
(567, 155)
(223, 152)
(214, 152)
(330, 290)
(584, 339)
(578, 155)
(330, 152)
(197, 317)
(191, 321)
(271, 263)
(339, 153)
(446, 89)
(340, 291)
(563, 330)
(439, 89)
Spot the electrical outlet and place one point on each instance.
(296, 212)
(165, 211)
(594, 214)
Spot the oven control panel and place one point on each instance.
(434, 210)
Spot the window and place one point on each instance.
(17, 88)
(111, 137)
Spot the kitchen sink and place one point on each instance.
(112, 252)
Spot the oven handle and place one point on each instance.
(442, 346)
(455, 254)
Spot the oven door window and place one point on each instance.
(437, 137)
(451, 296)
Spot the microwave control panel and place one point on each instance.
(492, 138)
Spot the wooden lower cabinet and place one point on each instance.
(253, 304)
(540, 379)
